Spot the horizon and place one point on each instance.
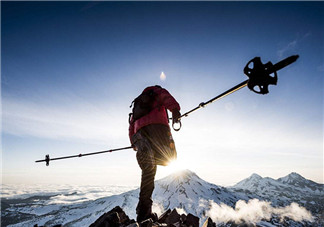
(70, 70)
(135, 187)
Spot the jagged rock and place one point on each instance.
(173, 217)
(117, 218)
(159, 224)
(183, 217)
(192, 221)
(177, 224)
(154, 217)
(107, 220)
(146, 223)
(209, 223)
(114, 218)
(164, 216)
(135, 224)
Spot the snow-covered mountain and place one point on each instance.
(285, 190)
(183, 190)
(306, 186)
(256, 183)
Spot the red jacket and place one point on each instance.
(158, 115)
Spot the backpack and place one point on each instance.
(143, 104)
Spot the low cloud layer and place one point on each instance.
(254, 211)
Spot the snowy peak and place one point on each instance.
(180, 177)
(184, 181)
(185, 190)
(251, 182)
(255, 176)
(296, 180)
(292, 178)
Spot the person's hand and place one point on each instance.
(134, 147)
(175, 116)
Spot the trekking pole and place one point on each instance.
(260, 77)
(48, 159)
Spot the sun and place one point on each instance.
(175, 166)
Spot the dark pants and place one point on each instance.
(154, 146)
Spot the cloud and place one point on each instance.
(254, 211)
(62, 193)
(292, 45)
(288, 47)
(158, 208)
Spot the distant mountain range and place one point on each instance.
(184, 191)
(285, 190)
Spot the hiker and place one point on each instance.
(150, 136)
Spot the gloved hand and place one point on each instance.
(175, 116)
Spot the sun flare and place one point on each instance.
(162, 76)
(176, 165)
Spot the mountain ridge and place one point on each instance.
(293, 179)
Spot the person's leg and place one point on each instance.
(162, 143)
(145, 159)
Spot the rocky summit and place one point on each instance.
(170, 218)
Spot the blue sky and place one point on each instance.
(71, 69)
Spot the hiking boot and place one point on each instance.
(154, 217)
(141, 218)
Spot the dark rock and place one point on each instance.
(107, 220)
(134, 224)
(146, 223)
(192, 221)
(131, 223)
(114, 218)
(183, 218)
(177, 224)
(164, 216)
(209, 223)
(173, 217)
(154, 217)
(117, 218)
(124, 219)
